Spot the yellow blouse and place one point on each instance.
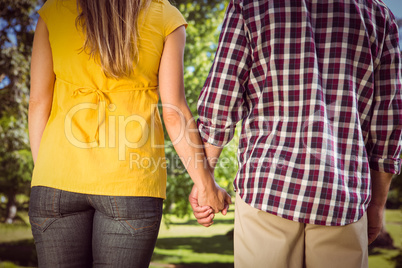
(104, 136)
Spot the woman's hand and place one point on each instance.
(205, 214)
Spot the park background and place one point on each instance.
(182, 242)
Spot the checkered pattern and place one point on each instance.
(317, 86)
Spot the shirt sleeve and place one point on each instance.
(172, 19)
(222, 100)
(386, 122)
(44, 11)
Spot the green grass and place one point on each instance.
(381, 258)
(394, 226)
(9, 233)
(184, 244)
(189, 244)
(7, 264)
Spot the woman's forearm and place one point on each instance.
(42, 84)
(181, 125)
(186, 140)
(38, 115)
(183, 132)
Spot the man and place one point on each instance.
(317, 86)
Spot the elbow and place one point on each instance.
(173, 117)
(38, 102)
(39, 108)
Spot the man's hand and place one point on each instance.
(380, 183)
(214, 196)
(204, 214)
(375, 216)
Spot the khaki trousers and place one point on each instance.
(264, 240)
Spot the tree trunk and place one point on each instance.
(11, 208)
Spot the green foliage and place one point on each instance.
(16, 36)
(227, 165)
(394, 200)
(204, 19)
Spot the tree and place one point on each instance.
(16, 36)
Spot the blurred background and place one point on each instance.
(182, 242)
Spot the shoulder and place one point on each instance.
(169, 9)
(172, 17)
(57, 8)
(380, 10)
(45, 10)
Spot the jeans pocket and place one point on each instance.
(137, 227)
(44, 207)
(138, 215)
(41, 223)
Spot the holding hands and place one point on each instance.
(206, 202)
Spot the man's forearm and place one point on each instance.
(212, 153)
(380, 183)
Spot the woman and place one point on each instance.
(96, 135)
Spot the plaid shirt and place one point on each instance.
(317, 86)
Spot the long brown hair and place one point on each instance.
(111, 33)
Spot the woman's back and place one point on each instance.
(108, 130)
(73, 64)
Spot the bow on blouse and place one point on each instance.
(101, 100)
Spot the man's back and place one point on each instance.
(318, 87)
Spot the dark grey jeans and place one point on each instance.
(81, 230)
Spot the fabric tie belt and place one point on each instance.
(102, 100)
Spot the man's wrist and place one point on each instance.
(380, 183)
(376, 204)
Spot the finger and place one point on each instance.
(193, 197)
(371, 238)
(202, 209)
(225, 210)
(194, 203)
(228, 199)
(372, 234)
(207, 225)
(216, 210)
(206, 221)
(201, 215)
